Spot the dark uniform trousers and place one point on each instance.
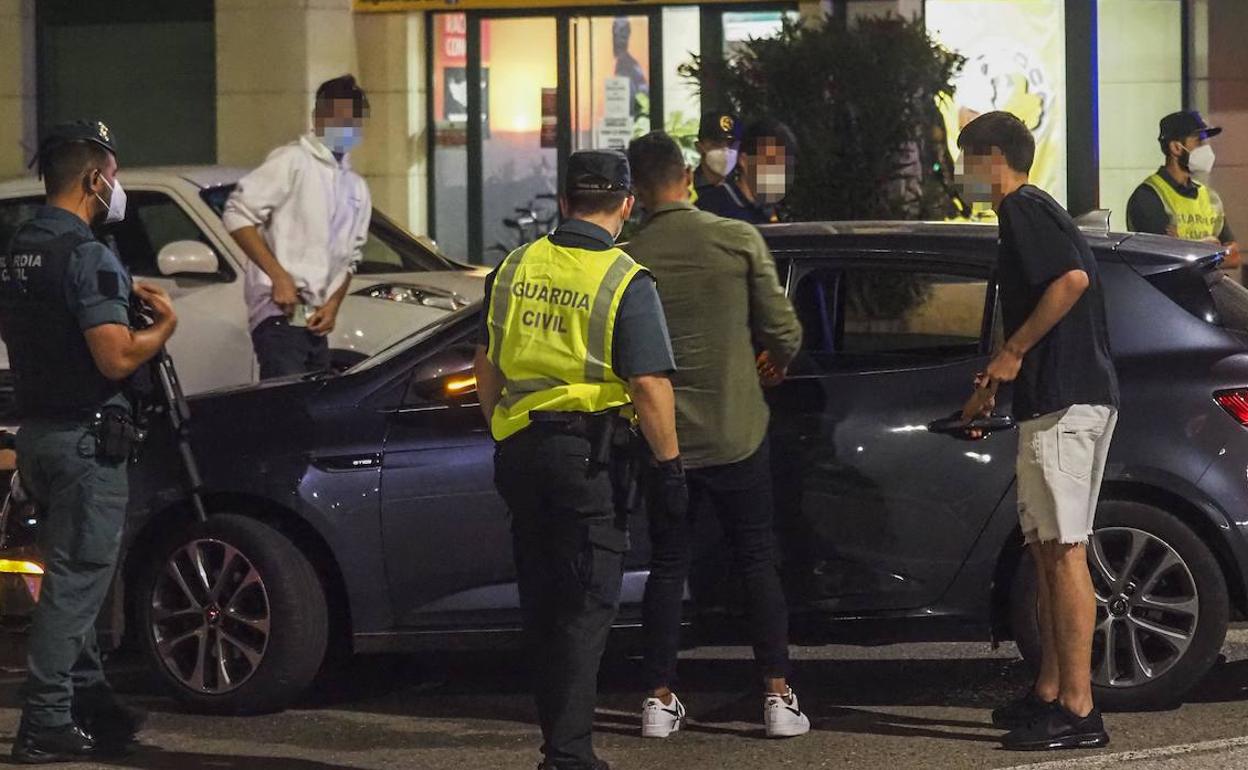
(569, 541)
(83, 500)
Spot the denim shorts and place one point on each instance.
(1061, 462)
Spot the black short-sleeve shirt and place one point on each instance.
(641, 344)
(1038, 244)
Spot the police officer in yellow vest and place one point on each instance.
(1171, 202)
(574, 350)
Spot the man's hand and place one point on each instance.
(980, 404)
(669, 493)
(1233, 258)
(769, 375)
(1003, 367)
(285, 293)
(322, 322)
(158, 300)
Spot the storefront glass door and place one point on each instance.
(610, 80)
(513, 93)
(519, 159)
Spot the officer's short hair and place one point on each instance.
(589, 203)
(344, 88)
(656, 161)
(1006, 133)
(64, 165)
(768, 128)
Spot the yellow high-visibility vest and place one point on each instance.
(552, 313)
(1193, 219)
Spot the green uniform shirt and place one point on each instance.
(722, 296)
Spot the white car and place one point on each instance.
(172, 236)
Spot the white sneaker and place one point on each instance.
(783, 718)
(659, 720)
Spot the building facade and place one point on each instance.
(477, 103)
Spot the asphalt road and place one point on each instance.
(896, 707)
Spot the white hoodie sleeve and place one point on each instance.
(261, 191)
(359, 233)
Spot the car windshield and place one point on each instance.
(389, 249)
(403, 345)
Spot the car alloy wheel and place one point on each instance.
(210, 616)
(1147, 606)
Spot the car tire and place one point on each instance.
(1119, 524)
(256, 623)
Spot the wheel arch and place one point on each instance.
(1198, 519)
(305, 537)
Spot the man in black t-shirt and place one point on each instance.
(1066, 402)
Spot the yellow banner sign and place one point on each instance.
(382, 6)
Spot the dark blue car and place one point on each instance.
(358, 511)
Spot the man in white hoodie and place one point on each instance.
(302, 218)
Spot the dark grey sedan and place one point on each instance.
(357, 511)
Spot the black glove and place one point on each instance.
(670, 491)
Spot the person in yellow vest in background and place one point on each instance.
(1171, 201)
(573, 345)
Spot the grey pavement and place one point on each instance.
(895, 707)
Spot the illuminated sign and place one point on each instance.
(1015, 61)
(381, 6)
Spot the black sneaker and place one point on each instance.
(1020, 712)
(599, 764)
(1059, 729)
(35, 746)
(113, 725)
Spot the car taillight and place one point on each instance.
(1235, 402)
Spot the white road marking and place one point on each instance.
(1162, 752)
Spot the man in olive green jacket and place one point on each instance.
(722, 296)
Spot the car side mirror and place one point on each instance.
(187, 258)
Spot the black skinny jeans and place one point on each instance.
(569, 544)
(740, 493)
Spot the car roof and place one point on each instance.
(972, 242)
(200, 176)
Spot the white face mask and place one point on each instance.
(1200, 160)
(116, 202)
(721, 160)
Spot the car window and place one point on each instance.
(153, 220)
(891, 312)
(13, 213)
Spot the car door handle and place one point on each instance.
(955, 426)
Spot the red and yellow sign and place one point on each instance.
(382, 6)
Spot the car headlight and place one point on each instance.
(411, 294)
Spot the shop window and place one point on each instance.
(450, 131)
(682, 104)
(518, 156)
(610, 80)
(742, 26)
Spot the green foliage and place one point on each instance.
(862, 102)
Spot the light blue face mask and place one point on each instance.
(342, 139)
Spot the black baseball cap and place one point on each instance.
(722, 126)
(598, 171)
(1180, 125)
(94, 131)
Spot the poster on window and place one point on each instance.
(1015, 61)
